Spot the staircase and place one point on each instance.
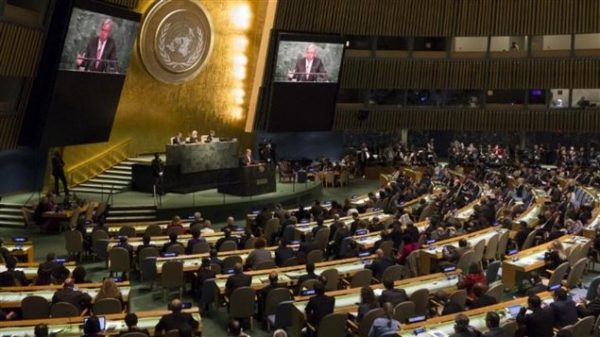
(117, 179)
(137, 213)
(10, 215)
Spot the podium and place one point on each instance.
(247, 181)
(190, 167)
(200, 157)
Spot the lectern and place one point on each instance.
(246, 181)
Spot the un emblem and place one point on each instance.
(176, 40)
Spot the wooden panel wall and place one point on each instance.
(20, 47)
(470, 74)
(568, 120)
(440, 17)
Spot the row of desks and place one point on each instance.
(11, 297)
(364, 241)
(289, 275)
(346, 300)
(533, 259)
(444, 325)
(73, 326)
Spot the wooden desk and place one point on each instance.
(11, 297)
(306, 228)
(432, 253)
(193, 261)
(72, 326)
(20, 249)
(531, 214)
(30, 268)
(140, 229)
(445, 324)
(159, 241)
(532, 259)
(346, 299)
(289, 275)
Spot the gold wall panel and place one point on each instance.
(150, 112)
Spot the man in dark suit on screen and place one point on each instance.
(100, 55)
(308, 68)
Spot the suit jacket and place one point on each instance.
(19, 276)
(565, 312)
(108, 54)
(394, 296)
(318, 307)
(79, 299)
(495, 332)
(306, 277)
(282, 254)
(174, 321)
(539, 323)
(379, 265)
(317, 71)
(482, 301)
(144, 331)
(237, 281)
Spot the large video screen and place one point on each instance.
(308, 61)
(304, 80)
(98, 42)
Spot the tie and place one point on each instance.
(98, 54)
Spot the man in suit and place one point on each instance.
(123, 243)
(317, 211)
(380, 264)
(178, 139)
(237, 280)
(264, 292)
(17, 275)
(203, 273)
(145, 244)
(226, 237)
(58, 172)
(68, 294)
(565, 310)
(319, 305)
(172, 241)
(310, 275)
(307, 246)
(481, 298)
(176, 320)
(540, 322)
(308, 68)
(158, 170)
(462, 327)
(392, 295)
(131, 320)
(492, 321)
(283, 253)
(101, 52)
(320, 225)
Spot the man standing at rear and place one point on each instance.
(58, 171)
